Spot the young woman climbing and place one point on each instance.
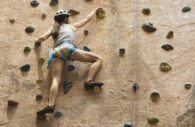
(63, 35)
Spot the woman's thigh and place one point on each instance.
(57, 68)
(83, 56)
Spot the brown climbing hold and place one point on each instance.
(155, 96)
(100, 13)
(153, 120)
(44, 16)
(41, 60)
(73, 12)
(12, 103)
(39, 81)
(122, 52)
(187, 86)
(27, 49)
(39, 97)
(146, 11)
(86, 32)
(165, 67)
(167, 47)
(148, 27)
(170, 35)
(41, 117)
(29, 29)
(12, 21)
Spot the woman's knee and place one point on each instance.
(100, 59)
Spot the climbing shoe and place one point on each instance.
(48, 109)
(90, 84)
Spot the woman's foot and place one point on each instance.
(48, 109)
(90, 84)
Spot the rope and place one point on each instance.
(134, 106)
(65, 4)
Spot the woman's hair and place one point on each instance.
(57, 25)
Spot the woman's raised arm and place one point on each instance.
(45, 36)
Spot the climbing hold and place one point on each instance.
(165, 67)
(27, 49)
(170, 35)
(29, 29)
(39, 97)
(12, 21)
(135, 87)
(34, 3)
(122, 51)
(41, 60)
(44, 16)
(37, 44)
(100, 13)
(25, 68)
(155, 96)
(85, 48)
(86, 32)
(12, 103)
(167, 47)
(53, 2)
(186, 9)
(128, 125)
(67, 86)
(153, 120)
(73, 12)
(71, 68)
(58, 113)
(146, 11)
(88, 0)
(187, 86)
(148, 27)
(39, 81)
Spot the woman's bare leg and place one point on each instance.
(83, 56)
(56, 70)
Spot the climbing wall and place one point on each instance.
(163, 47)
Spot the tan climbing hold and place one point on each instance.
(165, 67)
(100, 13)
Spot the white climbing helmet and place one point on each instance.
(61, 14)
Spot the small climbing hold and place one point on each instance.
(146, 11)
(153, 120)
(37, 44)
(122, 51)
(170, 35)
(41, 60)
(43, 16)
(155, 96)
(100, 13)
(71, 68)
(25, 68)
(67, 86)
(167, 47)
(34, 3)
(128, 125)
(187, 86)
(39, 97)
(165, 67)
(29, 29)
(12, 103)
(27, 49)
(135, 87)
(148, 27)
(39, 81)
(85, 48)
(73, 12)
(53, 2)
(86, 32)
(186, 9)
(88, 0)
(58, 113)
(12, 21)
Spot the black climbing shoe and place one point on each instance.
(48, 109)
(91, 84)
